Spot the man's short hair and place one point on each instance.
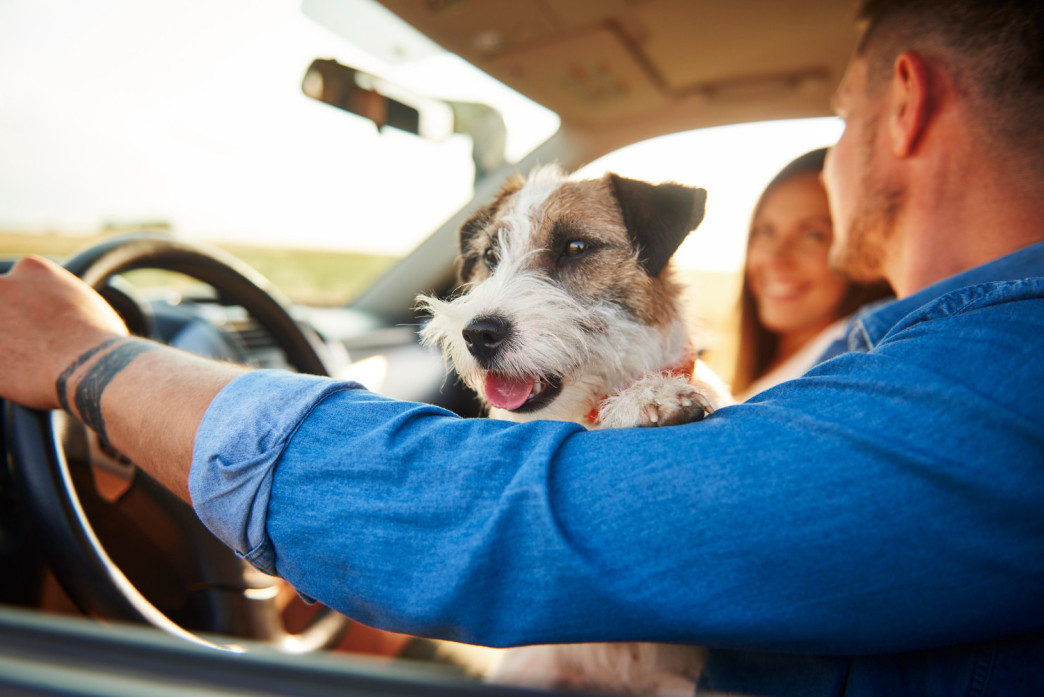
(993, 49)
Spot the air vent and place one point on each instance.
(253, 336)
(257, 345)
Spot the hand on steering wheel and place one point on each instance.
(141, 554)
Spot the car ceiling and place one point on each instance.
(623, 69)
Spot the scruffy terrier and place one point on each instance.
(569, 312)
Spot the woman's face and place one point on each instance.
(794, 290)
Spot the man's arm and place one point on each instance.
(57, 332)
(876, 505)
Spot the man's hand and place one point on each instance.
(146, 399)
(48, 318)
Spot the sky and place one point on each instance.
(120, 112)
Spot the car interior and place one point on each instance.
(111, 585)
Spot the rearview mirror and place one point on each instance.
(338, 85)
(387, 105)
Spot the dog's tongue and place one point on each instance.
(507, 393)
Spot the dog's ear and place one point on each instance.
(658, 217)
(484, 216)
(477, 223)
(472, 227)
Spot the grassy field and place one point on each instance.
(315, 277)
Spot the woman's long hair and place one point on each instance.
(757, 344)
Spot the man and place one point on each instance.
(876, 527)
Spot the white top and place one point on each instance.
(803, 359)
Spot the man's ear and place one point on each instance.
(658, 217)
(908, 115)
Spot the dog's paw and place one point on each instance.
(657, 400)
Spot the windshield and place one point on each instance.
(189, 117)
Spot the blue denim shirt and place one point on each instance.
(874, 527)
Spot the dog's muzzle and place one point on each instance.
(485, 336)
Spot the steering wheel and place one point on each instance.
(142, 555)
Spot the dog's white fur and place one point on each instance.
(617, 355)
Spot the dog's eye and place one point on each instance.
(491, 258)
(576, 248)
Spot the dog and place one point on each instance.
(569, 311)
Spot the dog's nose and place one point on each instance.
(485, 335)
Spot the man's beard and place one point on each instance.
(861, 250)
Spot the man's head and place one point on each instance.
(980, 61)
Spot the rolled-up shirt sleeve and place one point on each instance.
(237, 447)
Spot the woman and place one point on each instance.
(792, 306)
